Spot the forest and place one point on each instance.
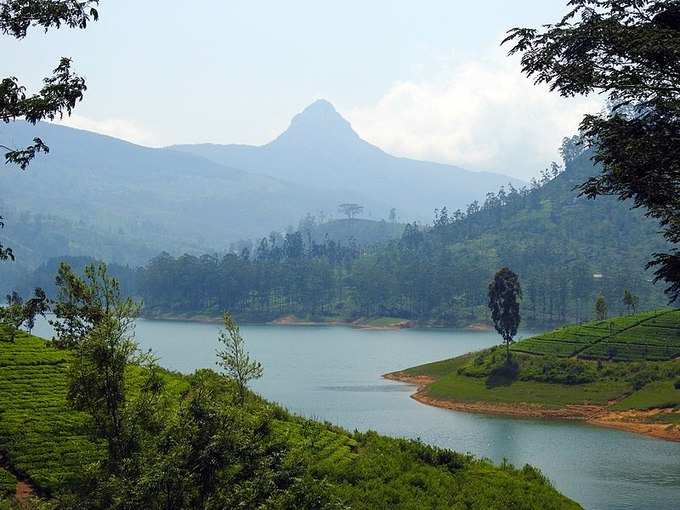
(568, 250)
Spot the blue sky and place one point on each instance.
(423, 79)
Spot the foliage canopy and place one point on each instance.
(628, 50)
(505, 294)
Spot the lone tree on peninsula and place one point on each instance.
(505, 294)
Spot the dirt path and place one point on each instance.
(630, 421)
(24, 491)
(24, 488)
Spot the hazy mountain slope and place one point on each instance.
(33, 235)
(170, 199)
(358, 231)
(120, 201)
(321, 149)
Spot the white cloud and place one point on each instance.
(481, 115)
(118, 128)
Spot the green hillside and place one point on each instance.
(653, 336)
(627, 364)
(46, 444)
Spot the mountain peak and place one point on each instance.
(320, 107)
(320, 120)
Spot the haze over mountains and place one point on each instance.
(132, 201)
(321, 149)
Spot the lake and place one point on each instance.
(333, 374)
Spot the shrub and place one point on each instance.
(644, 376)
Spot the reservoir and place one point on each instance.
(334, 373)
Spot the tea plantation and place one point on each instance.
(39, 436)
(46, 444)
(653, 336)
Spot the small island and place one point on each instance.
(621, 373)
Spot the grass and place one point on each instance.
(658, 394)
(48, 444)
(450, 384)
(439, 369)
(8, 483)
(469, 389)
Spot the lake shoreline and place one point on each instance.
(291, 320)
(628, 421)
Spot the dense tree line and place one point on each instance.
(566, 250)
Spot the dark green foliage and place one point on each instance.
(18, 313)
(600, 308)
(98, 324)
(208, 454)
(37, 305)
(82, 303)
(8, 483)
(645, 376)
(491, 365)
(630, 51)
(505, 294)
(631, 301)
(17, 16)
(5, 253)
(97, 384)
(235, 360)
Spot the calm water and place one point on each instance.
(333, 373)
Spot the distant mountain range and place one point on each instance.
(321, 150)
(132, 200)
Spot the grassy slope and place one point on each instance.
(449, 384)
(614, 384)
(46, 443)
(8, 483)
